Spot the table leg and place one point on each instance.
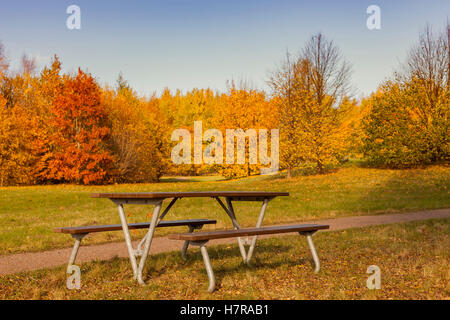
(148, 241)
(137, 270)
(159, 220)
(126, 233)
(258, 225)
(230, 212)
(236, 226)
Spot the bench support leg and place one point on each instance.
(209, 270)
(313, 250)
(186, 243)
(78, 237)
(185, 246)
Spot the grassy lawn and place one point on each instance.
(28, 214)
(413, 258)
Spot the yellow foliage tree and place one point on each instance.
(408, 120)
(314, 112)
(137, 133)
(181, 111)
(244, 108)
(18, 138)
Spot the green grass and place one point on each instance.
(28, 214)
(413, 258)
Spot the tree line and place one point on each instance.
(60, 127)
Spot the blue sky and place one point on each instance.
(197, 43)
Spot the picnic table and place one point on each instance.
(157, 198)
(199, 239)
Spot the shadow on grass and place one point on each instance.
(233, 251)
(223, 260)
(306, 171)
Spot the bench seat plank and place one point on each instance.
(201, 236)
(115, 227)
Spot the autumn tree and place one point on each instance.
(181, 111)
(17, 88)
(137, 133)
(286, 83)
(158, 134)
(427, 80)
(20, 126)
(4, 65)
(18, 138)
(408, 120)
(76, 151)
(247, 109)
(311, 90)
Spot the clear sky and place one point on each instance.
(202, 43)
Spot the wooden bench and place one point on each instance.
(201, 238)
(78, 233)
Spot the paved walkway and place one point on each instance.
(46, 259)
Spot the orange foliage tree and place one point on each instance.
(76, 151)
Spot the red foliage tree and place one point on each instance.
(76, 151)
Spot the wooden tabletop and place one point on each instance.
(189, 194)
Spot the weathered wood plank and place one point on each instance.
(115, 227)
(200, 236)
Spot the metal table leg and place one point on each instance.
(137, 270)
(148, 241)
(236, 226)
(258, 225)
(126, 233)
(246, 256)
(139, 247)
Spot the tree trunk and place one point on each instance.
(320, 167)
(289, 173)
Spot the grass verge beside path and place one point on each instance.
(413, 258)
(28, 214)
